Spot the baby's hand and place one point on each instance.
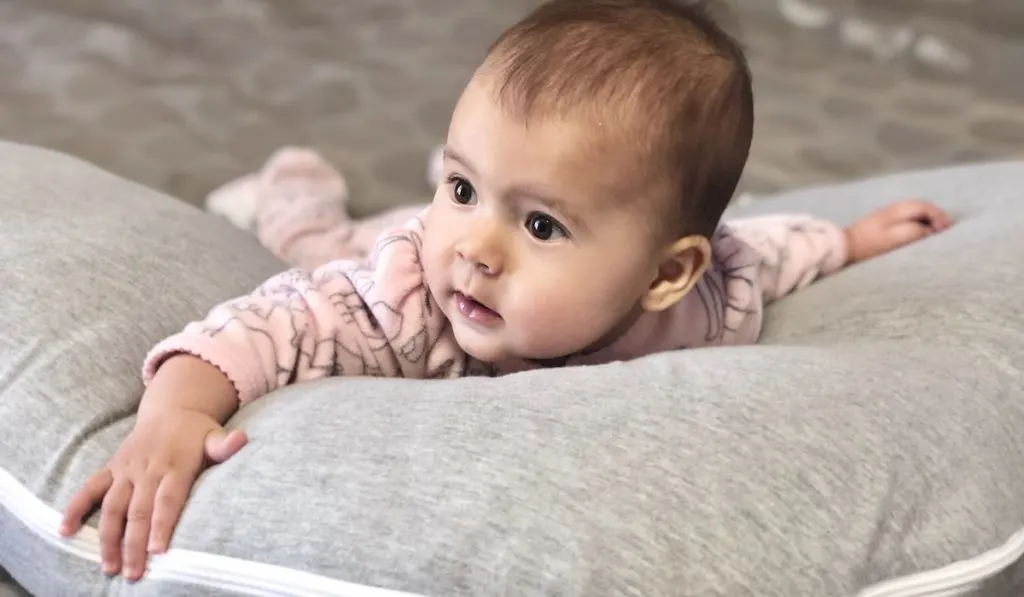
(144, 487)
(892, 227)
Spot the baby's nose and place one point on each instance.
(483, 251)
(487, 265)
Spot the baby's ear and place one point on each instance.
(683, 264)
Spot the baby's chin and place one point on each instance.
(499, 347)
(495, 353)
(485, 351)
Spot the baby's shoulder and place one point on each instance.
(731, 248)
(391, 271)
(405, 239)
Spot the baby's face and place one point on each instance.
(529, 251)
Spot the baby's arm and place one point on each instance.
(144, 485)
(753, 261)
(343, 319)
(792, 251)
(795, 250)
(761, 259)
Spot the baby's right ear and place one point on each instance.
(682, 266)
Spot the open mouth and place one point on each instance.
(474, 310)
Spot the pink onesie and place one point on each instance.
(374, 316)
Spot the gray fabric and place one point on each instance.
(874, 433)
(9, 588)
(93, 269)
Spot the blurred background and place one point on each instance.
(184, 95)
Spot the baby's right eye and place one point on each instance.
(462, 191)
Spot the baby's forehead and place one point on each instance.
(606, 182)
(595, 154)
(581, 163)
(604, 155)
(608, 170)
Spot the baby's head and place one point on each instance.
(587, 164)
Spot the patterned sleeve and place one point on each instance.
(754, 262)
(792, 251)
(344, 318)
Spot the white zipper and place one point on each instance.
(955, 579)
(178, 565)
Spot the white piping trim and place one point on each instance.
(179, 565)
(265, 580)
(954, 579)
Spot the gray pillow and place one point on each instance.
(870, 445)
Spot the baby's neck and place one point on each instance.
(613, 336)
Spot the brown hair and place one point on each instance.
(662, 71)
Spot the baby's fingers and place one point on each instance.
(83, 502)
(136, 533)
(170, 501)
(220, 445)
(906, 233)
(923, 212)
(937, 217)
(115, 507)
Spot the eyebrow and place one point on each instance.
(518, 191)
(552, 203)
(451, 154)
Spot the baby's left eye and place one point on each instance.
(544, 227)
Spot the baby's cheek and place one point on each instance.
(553, 324)
(433, 256)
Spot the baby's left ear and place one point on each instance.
(684, 263)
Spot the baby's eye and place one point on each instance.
(544, 227)
(462, 191)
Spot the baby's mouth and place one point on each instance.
(474, 310)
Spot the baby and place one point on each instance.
(587, 165)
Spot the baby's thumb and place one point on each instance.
(221, 445)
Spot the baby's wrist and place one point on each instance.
(160, 411)
(853, 250)
(187, 383)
